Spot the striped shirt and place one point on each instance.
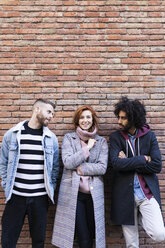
(29, 180)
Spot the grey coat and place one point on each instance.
(73, 156)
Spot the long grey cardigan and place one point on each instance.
(73, 156)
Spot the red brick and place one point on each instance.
(83, 52)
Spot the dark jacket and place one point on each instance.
(122, 209)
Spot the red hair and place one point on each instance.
(78, 113)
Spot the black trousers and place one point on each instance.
(85, 223)
(13, 219)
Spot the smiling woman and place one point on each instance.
(80, 208)
(86, 120)
(80, 113)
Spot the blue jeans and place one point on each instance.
(13, 219)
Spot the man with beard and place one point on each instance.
(29, 169)
(135, 159)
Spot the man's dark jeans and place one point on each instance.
(13, 219)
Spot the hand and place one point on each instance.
(91, 143)
(79, 170)
(122, 155)
(147, 158)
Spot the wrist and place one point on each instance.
(147, 158)
(79, 170)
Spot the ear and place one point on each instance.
(37, 109)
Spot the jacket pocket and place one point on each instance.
(49, 157)
(13, 152)
(13, 146)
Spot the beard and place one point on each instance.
(42, 120)
(126, 128)
(45, 123)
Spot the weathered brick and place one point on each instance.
(83, 52)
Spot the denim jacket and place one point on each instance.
(10, 150)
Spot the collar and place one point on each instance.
(133, 136)
(74, 135)
(46, 130)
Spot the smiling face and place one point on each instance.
(44, 114)
(86, 120)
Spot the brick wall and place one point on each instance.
(83, 52)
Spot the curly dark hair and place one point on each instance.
(134, 110)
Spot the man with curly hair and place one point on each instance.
(135, 159)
